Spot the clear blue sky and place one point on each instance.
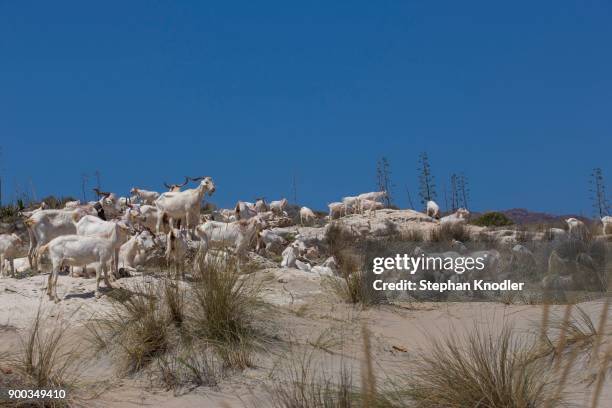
(517, 95)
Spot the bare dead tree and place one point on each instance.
(409, 198)
(294, 188)
(84, 181)
(98, 185)
(383, 179)
(445, 192)
(32, 190)
(597, 189)
(427, 185)
(463, 191)
(454, 192)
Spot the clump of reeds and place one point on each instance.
(43, 361)
(482, 370)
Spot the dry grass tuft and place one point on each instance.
(449, 231)
(308, 385)
(482, 370)
(355, 282)
(44, 361)
(183, 335)
(413, 235)
(187, 366)
(577, 331)
(174, 298)
(226, 305)
(137, 325)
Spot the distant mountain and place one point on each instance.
(524, 216)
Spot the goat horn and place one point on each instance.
(199, 178)
(166, 184)
(186, 181)
(101, 193)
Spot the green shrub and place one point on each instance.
(492, 219)
(8, 212)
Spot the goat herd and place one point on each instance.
(121, 232)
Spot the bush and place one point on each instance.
(8, 213)
(492, 219)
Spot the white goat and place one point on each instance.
(607, 224)
(260, 205)
(290, 255)
(109, 202)
(224, 215)
(577, 229)
(351, 204)
(146, 216)
(176, 250)
(78, 250)
(45, 225)
(433, 210)
(462, 215)
(71, 205)
(10, 246)
(244, 210)
(90, 225)
(557, 234)
(307, 215)
(370, 205)
(376, 196)
(134, 251)
(336, 210)
(183, 204)
(277, 207)
(146, 196)
(271, 241)
(238, 235)
(43, 206)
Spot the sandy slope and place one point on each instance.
(303, 315)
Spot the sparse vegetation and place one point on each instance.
(492, 219)
(482, 370)
(576, 330)
(308, 385)
(355, 282)
(187, 366)
(44, 361)
(225, 309)
(449, 231)
(183, 334)
(138, 325)
(413, 235)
